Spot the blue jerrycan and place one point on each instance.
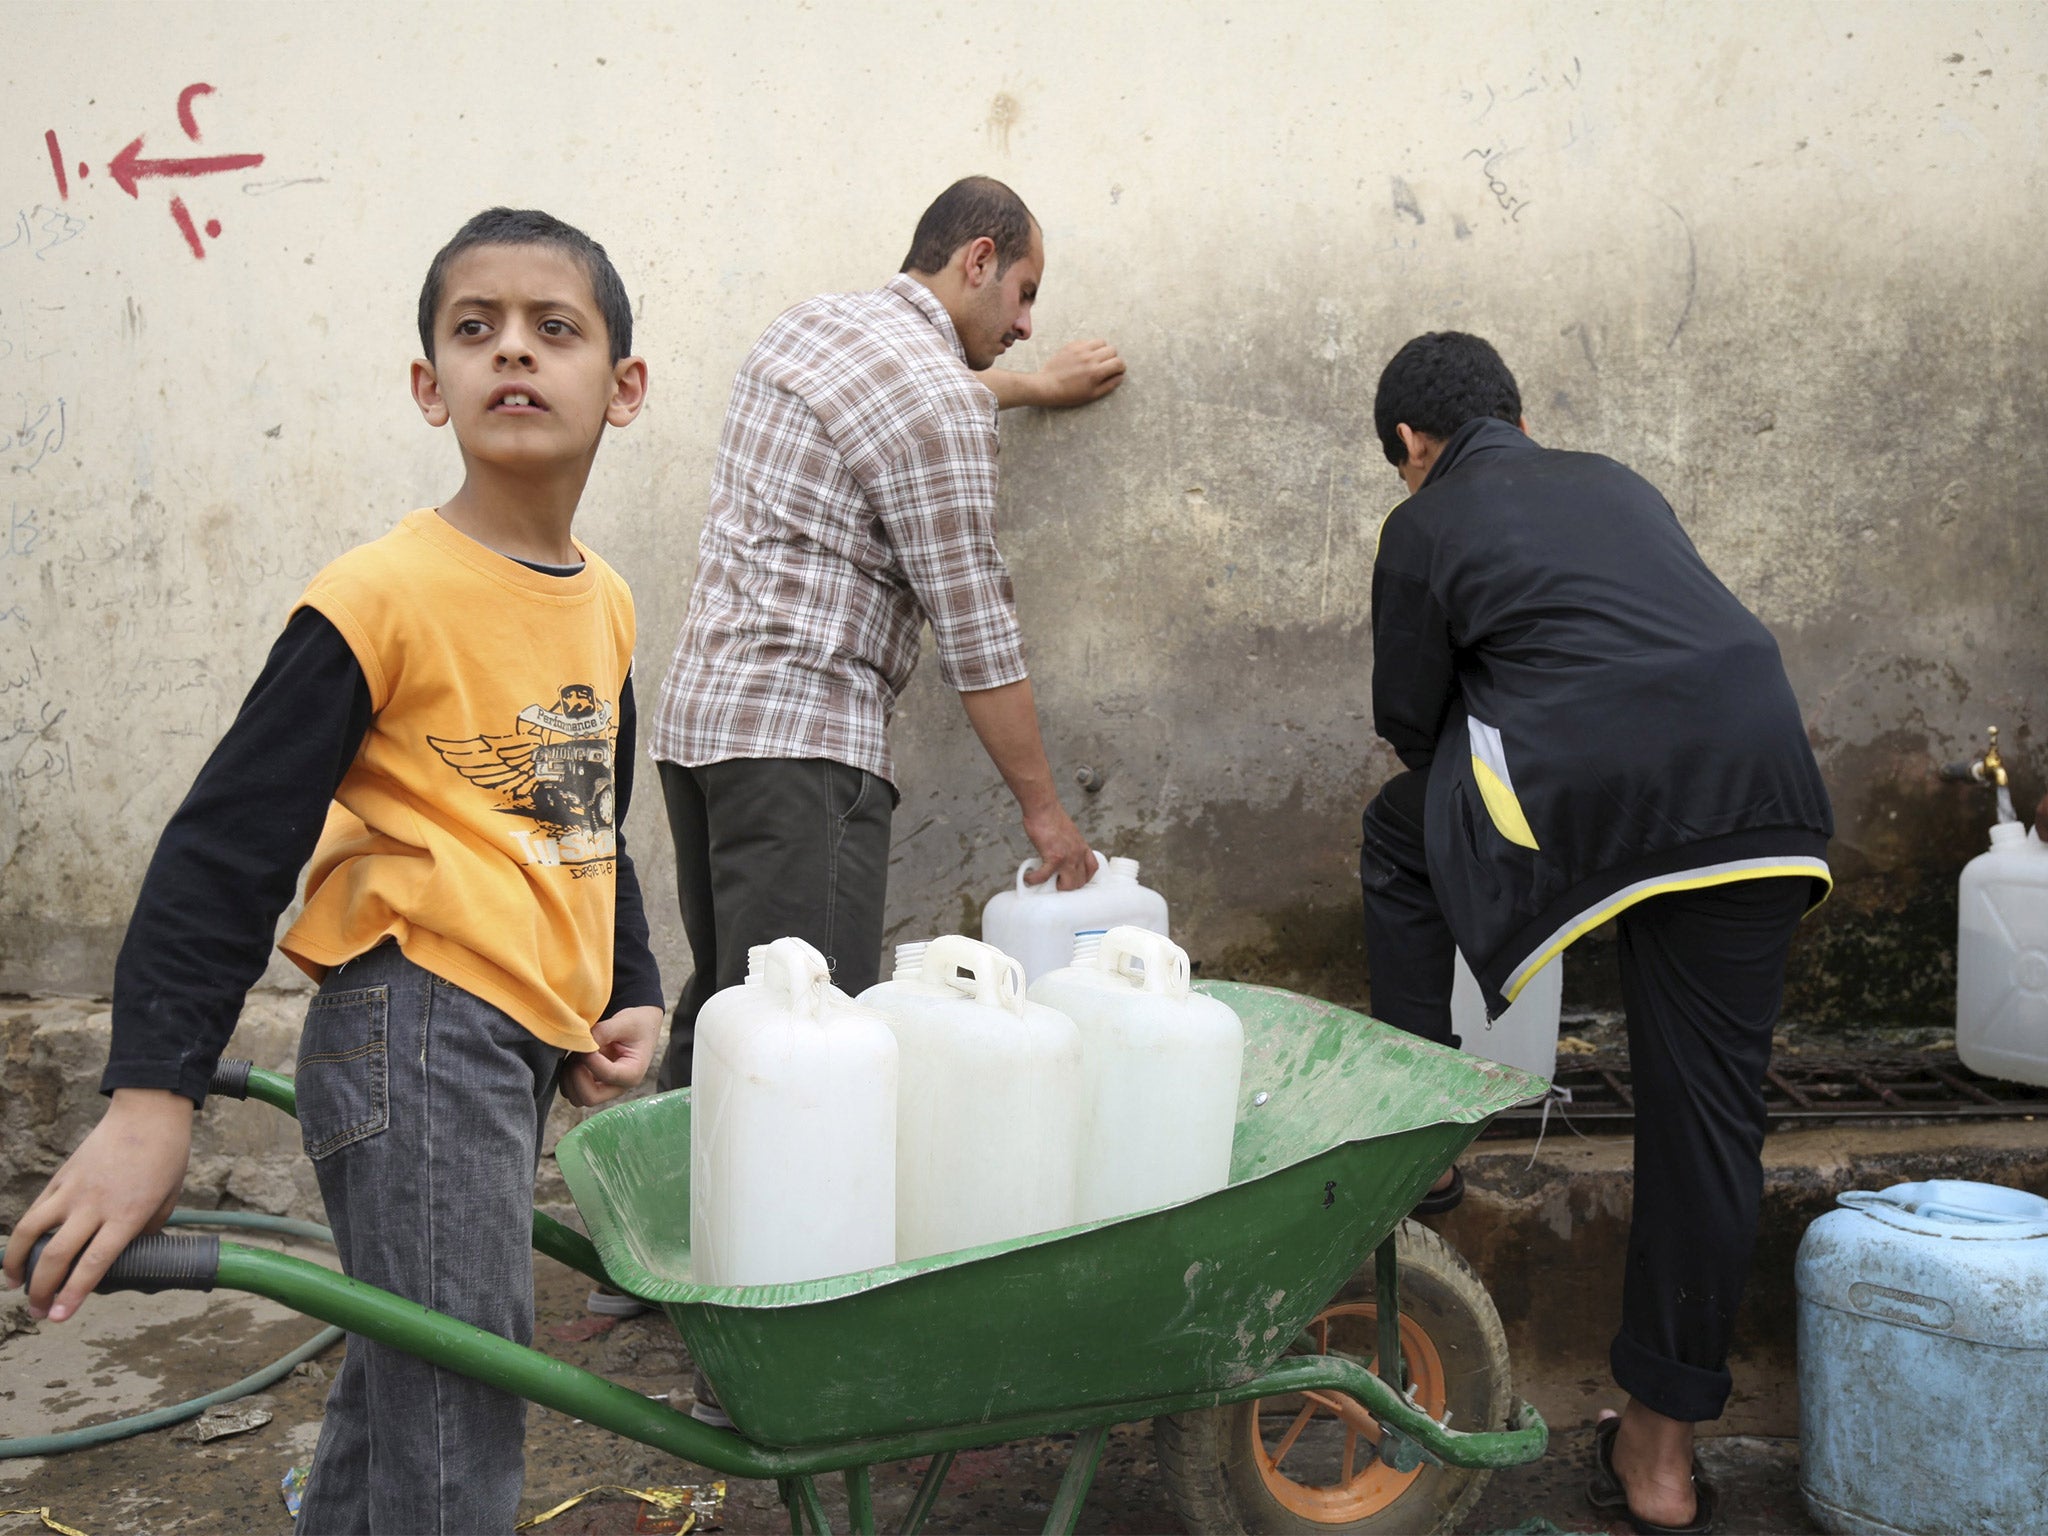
(1923, 1361)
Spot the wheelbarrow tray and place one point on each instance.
(1343, 1124)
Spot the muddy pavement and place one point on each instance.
(129, 1353)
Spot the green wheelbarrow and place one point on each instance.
(1312, 1362)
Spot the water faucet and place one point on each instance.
(1988, 770)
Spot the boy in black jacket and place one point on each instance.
(1594, 728)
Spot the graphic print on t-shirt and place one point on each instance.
(554, 769)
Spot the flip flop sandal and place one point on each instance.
(1605, 1492)
(1437, 1201)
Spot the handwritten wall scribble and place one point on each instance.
(43, 754)
(129, 169)
(39, 230)
(1532, 81)
(1546, 106)
(23, 532)
(1490, 165)
(42, 430)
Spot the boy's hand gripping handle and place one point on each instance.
(160, 1261)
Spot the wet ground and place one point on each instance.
(128, 1353)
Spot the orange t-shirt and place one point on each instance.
(475, 826)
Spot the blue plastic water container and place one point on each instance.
(1923, 1361)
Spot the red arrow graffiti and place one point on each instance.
(128, 167)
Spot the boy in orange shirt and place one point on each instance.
(454, 701)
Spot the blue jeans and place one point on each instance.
(422, 1108)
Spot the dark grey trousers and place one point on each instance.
(422, 1108)
(767, 848)
(1702, 977)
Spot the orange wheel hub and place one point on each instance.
(1291, 1432)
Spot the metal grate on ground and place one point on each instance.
(1923, 1086)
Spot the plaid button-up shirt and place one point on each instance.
(853, 499)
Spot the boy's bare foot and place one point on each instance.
(1652, 1460)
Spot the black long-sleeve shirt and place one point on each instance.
(228, 864)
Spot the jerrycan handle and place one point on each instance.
(1149, 961)
(792, 970)
(1909, 1199)
(979, 970)
(1043, 886)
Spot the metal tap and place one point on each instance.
(1988, 770)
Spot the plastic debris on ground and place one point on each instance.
(1537, 1525)
(293, 1487)
(42, 1513)
(224, 1419)
(680, 1507)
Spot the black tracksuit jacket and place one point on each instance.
(1601, 720)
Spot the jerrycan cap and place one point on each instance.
(1147, 961)
(975, 970)
(1955, 1208)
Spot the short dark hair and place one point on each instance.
(529, 226)
(970, 208)
(1437, 383)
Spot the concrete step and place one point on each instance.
(1546, 1227)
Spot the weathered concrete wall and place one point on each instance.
(1790, 271)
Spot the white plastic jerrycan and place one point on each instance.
(1160, 1066)
(988, 1115)
(2002, 958)
(1526, 1035)
(793, 1127)
(1039, 923)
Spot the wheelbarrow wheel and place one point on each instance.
(1302, 1463)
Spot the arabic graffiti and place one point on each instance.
(129, 169)
(44, 426)
(1510, 202)
(43, 754)
(1531, 82)
(39, 230)
(21, 533)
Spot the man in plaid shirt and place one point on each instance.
(853, 500)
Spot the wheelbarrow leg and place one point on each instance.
(927, 1493)
(806, 1510)
(1387, 1305)
(860, 1502)
(1065, 1516)
(1396, 1449)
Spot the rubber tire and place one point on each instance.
(1205, 1457)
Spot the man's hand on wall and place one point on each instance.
(121, 1182)
(1078, 374)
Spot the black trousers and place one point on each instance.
(1702, 979)
(767, 848)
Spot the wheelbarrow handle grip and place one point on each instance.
(158, 1261)
(231, 1078)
